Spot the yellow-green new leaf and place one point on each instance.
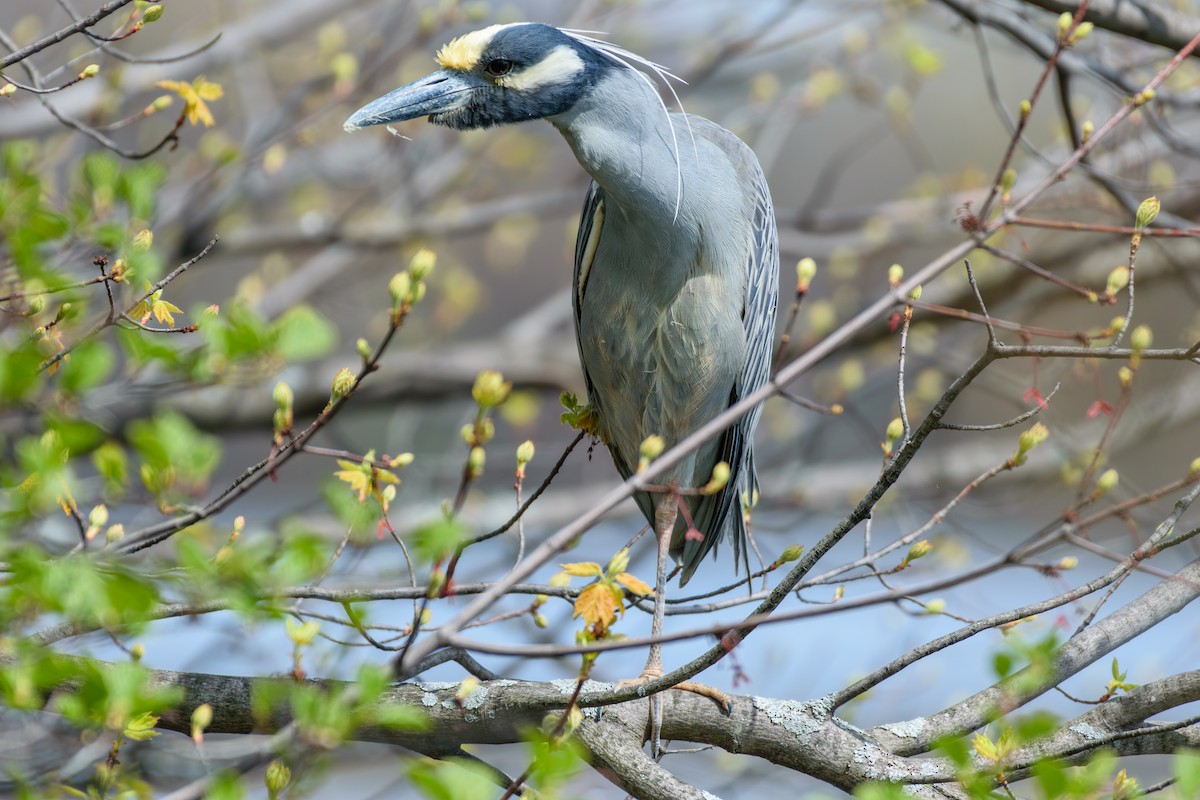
(583, 569)
(595, 604)
(141, 728)
(634, 584)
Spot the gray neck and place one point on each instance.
(621, 135)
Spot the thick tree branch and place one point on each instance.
(1128, 622)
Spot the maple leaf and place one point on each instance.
(583, 569)
(141, 728)
(634, 584)
(985, 747)
(164, 311)
(353, 474)
(196, 96)
(595, 604)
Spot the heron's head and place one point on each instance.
(497, 75)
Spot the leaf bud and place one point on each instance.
(153, 13)
(525, 452)
(718, 480)
(343, 384)
(1007, 181)
(540, 620)
(98, 516)
(90, 71)
(1088, 129)
(400, 460)
(1141, 338)
(363, 348)
(468, 687)
(475, 461)
(806, 270)
(651, 449)
(619, 562)
(1032, 438)
(1026, 108)
(490, 389)
(201, 719)
(142, 240)
(935, 606)
(895, 429)
(1147, 212)
(284, 396)
(399, 287)
(161, 103)
(301, 633)
(1118, 279)
(895, 274)
(791, 553)
(422, 264)
(1106, 482)
(1125, 376)
(277, 777)
(918, 550)
(8, 89)
(1067, 562)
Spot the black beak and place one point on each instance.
(434, 94)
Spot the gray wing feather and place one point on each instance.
(721, 514)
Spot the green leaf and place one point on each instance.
(78, 436)
(303, 334)
(100, 171)
(112, 465)
(436, 540)
(1051, 778)
(227, 785)
(1036, 725)
(19, 376)
(356, 516)
(170, 440)
(141, 728)
(452, 780)
(1187, 773)
(553, 762)
(880, 791)
(81, 588)
(138, 187)
(87, 367)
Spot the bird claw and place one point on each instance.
(654, 723)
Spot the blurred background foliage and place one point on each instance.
(124, 401)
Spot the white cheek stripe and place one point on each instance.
(560, 66)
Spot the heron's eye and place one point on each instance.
(498, 67)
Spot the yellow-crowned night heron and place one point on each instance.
(676, 260)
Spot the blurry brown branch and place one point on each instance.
(1149, 21)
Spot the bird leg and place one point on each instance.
(665, 513)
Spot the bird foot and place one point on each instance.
(704, 690)
(654, 723)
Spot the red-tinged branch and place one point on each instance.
(1089, 227)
